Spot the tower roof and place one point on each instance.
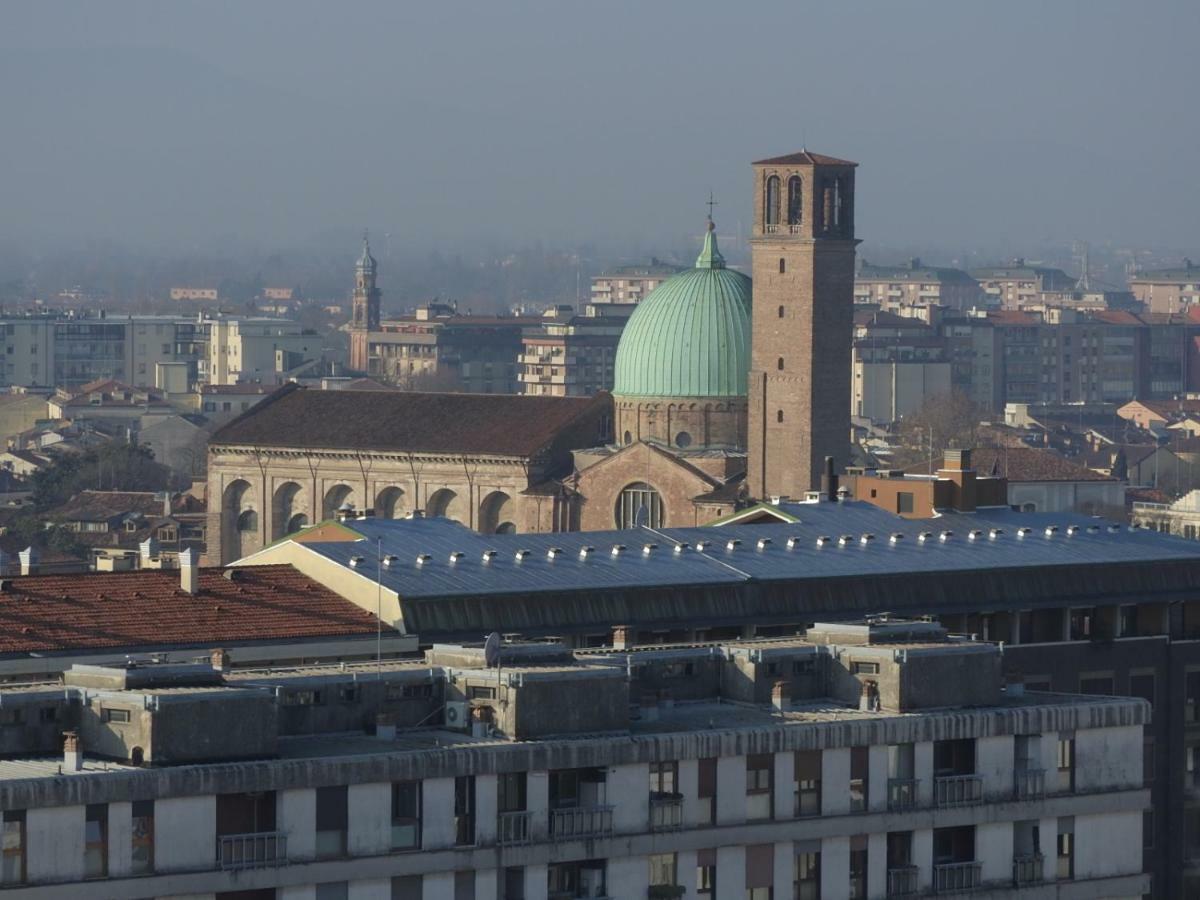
(366, 260)
(690, 337)
(804, 158)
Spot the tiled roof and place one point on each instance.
(148, 609)
(99, 506)
(804, 158)
(495, 424)
(1030, 464)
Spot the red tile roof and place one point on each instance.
(804, 158)
(99, 611)
(1030, 464)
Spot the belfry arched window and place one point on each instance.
(795, 203)
(639, 504)
(771, 213)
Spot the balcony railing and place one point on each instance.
(902, 881)
(957, 790)
(512, 828)
(580, 822)
(902, 794)
(258, 850)
(1027, 869)
(1029, 784)
(959, 876)
(666, 812)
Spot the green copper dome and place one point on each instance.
(690, 337)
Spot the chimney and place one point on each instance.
(72, 752)
(781, 695)
(147, 551)
(220, 660)
(29, 561)
(166, 499)
(189, 572)
(829, 480)
(622, 637)
(956, 466)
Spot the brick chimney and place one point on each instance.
(623, 637)
(189, 572)
(220, 660)
(72, 752)
(956, 466)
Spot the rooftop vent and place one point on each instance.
(1072, 529)
(520, 555)
(1093, 529)
(647, 549)
(356, 561)
(489, 555)
(618, 549)
(1023, 531)
(554, 552)
(701, 546)
(1113, 529)
(845, 539)
(732, 544)
(945, 536)
(1051, 530)
(897, 537)
(585, 552)
(866, 538)
(423, 558)
(456, 555)
(793, 542)
(389, 561)
(975, 534)
(924, 536)
(823, 539)
(680, 547)
(764, 543)
(995, 533)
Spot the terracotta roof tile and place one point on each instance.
(148, 609)
(804, 158)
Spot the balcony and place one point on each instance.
(581, 822)
(959, 876)
(666, 812)
(512, 828)
(957, 790)
(902, 881)
(1027, 869)
(902, 794)
(1029, 784)
(258, 850)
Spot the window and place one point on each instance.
(331, 822)
(464, 810)
(808, 782)
(12, 847)
(1066, 848)
(1096, 684)
(706, 878)
(348, 693)
(759, 782)
(639, 504)
(771, 213)
(142, 838)
(782, 265)
(808, 876)
(779, 415)
(332, 890)
(510, 788)
(779, 364)
(795, 200)
(859, 778)
(706, 789)
(864, 668)
(664, 778)
(858, 867)
(302, 698)
(758, 893)
(120, 716)
(406, 815)
(904, 501)
(781, 312)
(95, 841)
(662, 870)
(1066, 762)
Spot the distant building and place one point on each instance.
(278, 293)
(258, 349)
(1168, 290)
(631, 284)
(914, 284)
(898, 364)
(573, 356)
(1017, 285)
(194, 293)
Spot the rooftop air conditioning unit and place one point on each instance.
(455, 714)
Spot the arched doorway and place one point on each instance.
(239, 521)
(497, 510)
(289, 503)
(390, 503)
(335, 498)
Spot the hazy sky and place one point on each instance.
(174, 124)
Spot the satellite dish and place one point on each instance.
(491, 650)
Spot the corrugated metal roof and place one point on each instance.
(539, 571)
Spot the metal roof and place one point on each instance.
(528, 564)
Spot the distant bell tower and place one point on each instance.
(365, 309)
(802, 248)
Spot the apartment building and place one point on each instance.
(1018, 284)
(1171, 290)
(914, 284)
(898, 364)
(573, 356)
(256, 349)
(631, 284)
(867, 759)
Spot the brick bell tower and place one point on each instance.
(802, 247)
(364, 316)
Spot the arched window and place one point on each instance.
(779, 364)
(779, 415)
(795, 203)
(782, 265)
(628, 438)
(771, 213)
(843, 206)
(683, 439)
(247, 521)
(639, 504)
